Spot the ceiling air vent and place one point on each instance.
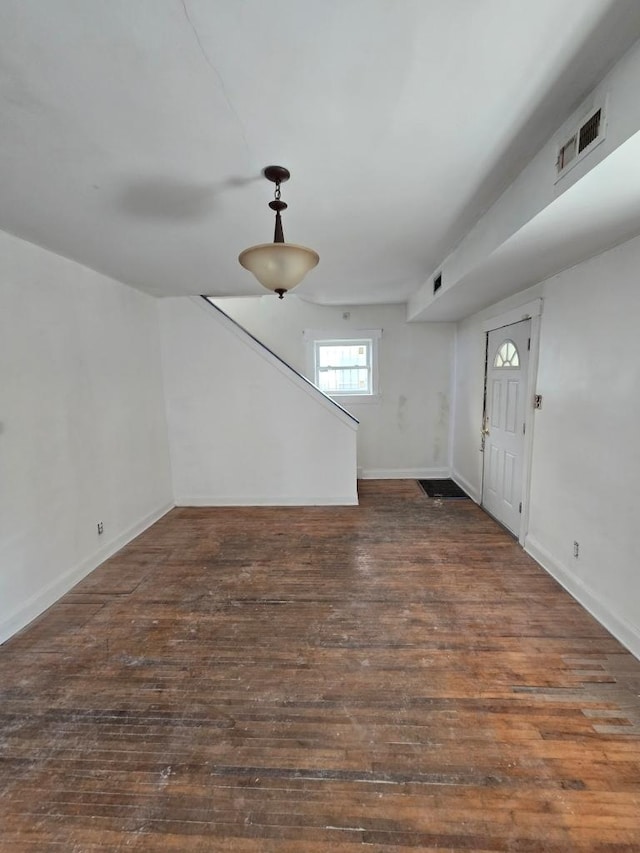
(581, 140)
(589, 131)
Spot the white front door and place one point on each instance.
(505, 413)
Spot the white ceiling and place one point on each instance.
(133, 132)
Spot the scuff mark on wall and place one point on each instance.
(442, 426)
(402, 411)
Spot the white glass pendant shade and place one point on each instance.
(279, 266)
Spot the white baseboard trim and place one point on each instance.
(464, 484)
(265, 500)
(403, 473)
(44, 598)
(622, 630)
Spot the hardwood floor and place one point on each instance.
(397, 676)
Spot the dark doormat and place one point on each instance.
(442, 489)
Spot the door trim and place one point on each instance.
(528, 311)
(515, 315)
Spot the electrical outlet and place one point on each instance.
(100, 528)
(576, 549)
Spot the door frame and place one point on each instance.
(528, 311)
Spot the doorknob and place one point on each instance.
(484, 432)
(485, 427)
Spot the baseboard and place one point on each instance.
(466, 486)
(265, 500)
(403, 473)
(44, 598)
(622, 630)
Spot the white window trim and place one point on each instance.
(313, 336)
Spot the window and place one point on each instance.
(344, 367)
(507, 355)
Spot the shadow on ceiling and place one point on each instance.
(163, 198)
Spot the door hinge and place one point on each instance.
(529, 344)
(524, 429)
(520, 507)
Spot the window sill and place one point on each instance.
(350, 400)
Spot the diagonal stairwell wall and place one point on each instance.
(245, 429)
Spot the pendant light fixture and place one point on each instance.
(278, 266)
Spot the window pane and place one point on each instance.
(346, 380)
(338, 355)
(507, 355)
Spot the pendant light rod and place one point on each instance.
(278, 175)
(277, 205)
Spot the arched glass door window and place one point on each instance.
(507, 355)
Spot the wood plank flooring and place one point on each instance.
(397, 676)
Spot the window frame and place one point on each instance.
(316, 338)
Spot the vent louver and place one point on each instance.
(580, 141)
(589, 131)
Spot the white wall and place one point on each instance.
(82, 425)
(245, 430)
(585, 465)
(404, 433)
